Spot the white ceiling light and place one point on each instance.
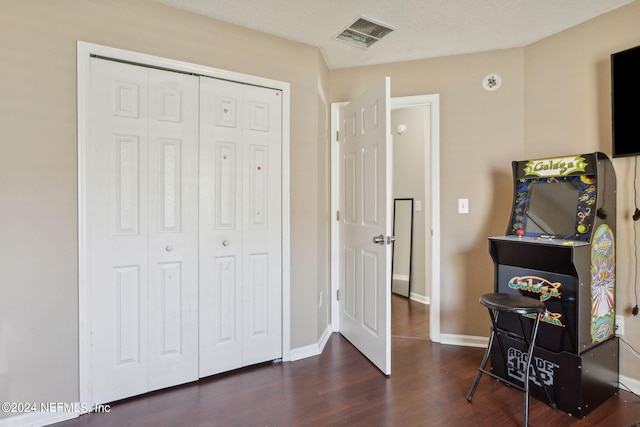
(363, 32)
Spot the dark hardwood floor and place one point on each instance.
(427, 387)
(409, 319)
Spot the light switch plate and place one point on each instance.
(463, 206)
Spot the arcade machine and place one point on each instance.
(560, 248)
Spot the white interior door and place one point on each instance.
(365, 224)
(142, 229)
(240, 225)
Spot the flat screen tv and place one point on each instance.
(625, 102)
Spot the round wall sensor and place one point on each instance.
(491, 82)
(402, 129)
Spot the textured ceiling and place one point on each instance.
(424, 28)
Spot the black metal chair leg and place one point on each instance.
(528, 366)
(485, 359)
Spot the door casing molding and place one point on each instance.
(84, 52)
(432, 229)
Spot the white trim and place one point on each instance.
(38, 418)
(432, 230)
(335, 109)
(630, 384)
(400, 277)
(171, 64)
(286, 222)
(313, 349)
(464, 340)
(419, 298)
(82, 76)
(84, 52)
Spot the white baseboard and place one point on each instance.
(420, 298)
(313, 349)
(464, 340)
(38, 418)
(402, 277)
(629, 384)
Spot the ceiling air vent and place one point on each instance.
(363, 32)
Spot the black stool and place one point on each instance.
(517, 304)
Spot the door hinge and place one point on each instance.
(337, 136)
(338, 294)
(337, 215)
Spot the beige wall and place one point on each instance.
(38, 167)
(568, 111)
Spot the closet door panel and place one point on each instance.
(173, 228)
(240, 216)
(221, 238)
(262, 224)
(117, 201)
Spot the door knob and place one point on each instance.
(225, 243)
(169, 248)
(379, 240)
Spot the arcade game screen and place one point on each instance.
(552, 207)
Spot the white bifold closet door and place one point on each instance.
(142, 228)
(183, 224)
(240, 225)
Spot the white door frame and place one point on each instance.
(432, 229)
(84, 53)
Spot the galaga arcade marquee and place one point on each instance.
(560, 248)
